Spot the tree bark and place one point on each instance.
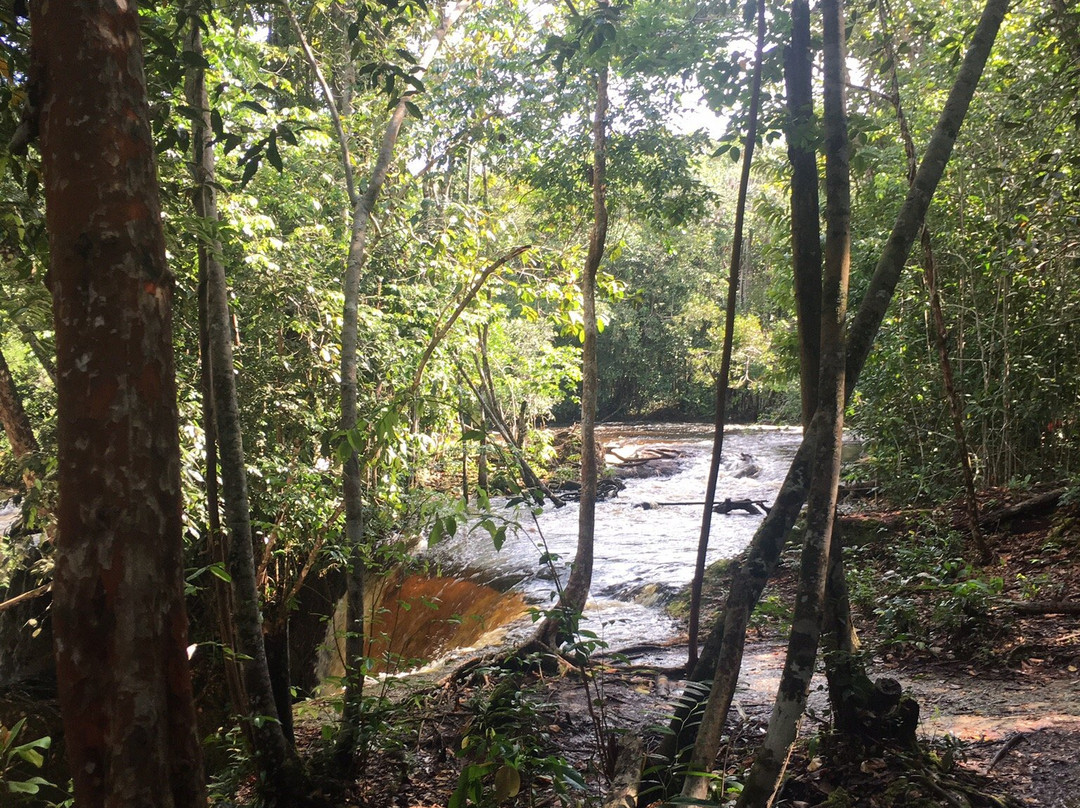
(272, 749)
(20, 433)
(722, 380)
(764, 780)
(118, 606)
(768, 542)
(575, 592)
(805, 214)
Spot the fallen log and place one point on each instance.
(857, 490)
(25, 596)
(645, 456)
(751, 506)
(1035, 607)
(1046, 501)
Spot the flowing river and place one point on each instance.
(645, 545)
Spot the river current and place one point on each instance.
(645, 544)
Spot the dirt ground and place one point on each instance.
(1001, 727)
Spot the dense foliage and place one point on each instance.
(461, 365)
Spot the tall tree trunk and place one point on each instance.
(771, 760)
(576, 590)
(20, 433)
(352, 484)
(805, 215)
(118, 604)
(721, 381)
(768, 541)
(272, 750)
(806, 261)
(940, 333)
(216, 540)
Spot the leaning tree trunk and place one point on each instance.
(217, 541)
(118, 590)
(720, 414)
(764, 779)
(273, 753)
(768, 541)
(575, 592)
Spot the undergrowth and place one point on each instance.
(921, 594)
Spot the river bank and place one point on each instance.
(1000, 711)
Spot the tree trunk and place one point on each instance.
(575, 592)
(764, 780)
(276, 638)
(768, 542)
(216, 540)
(720, 414)
(805, 215)
(271, 747)
(20, 433)
(118, 604)
(352, 485)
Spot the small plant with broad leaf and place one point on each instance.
(505, 749)
(13, 754)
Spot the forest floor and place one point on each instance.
(999, 690)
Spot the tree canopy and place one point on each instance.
(394, 241)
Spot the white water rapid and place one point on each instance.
(643, 555)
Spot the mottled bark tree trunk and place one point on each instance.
(771, 760)
(118, 607)
(768, 541)
(271, 746)
(721, 381)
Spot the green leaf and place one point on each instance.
(414, 110)
(9, 735)
(273, 155)
(31, 786)
(31, 756)
(286, 134)
(255, 106)
(437, 534)
(192, 59)
(249, 172)
(507, 782)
